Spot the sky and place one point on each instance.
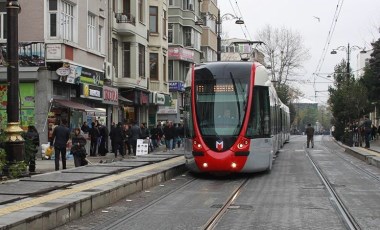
(358, 23)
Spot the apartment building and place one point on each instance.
(184, 38)
(62, 50)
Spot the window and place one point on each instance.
(91, 40)
(53, 18)
(141, 61)
(153, 16)
(165, 77)
(100, 39)
(188, 5)
(171, 2)
(141, 11)
(127, 59)
(67, 17)
(115, 55)
(170, 69)
(3, 25)
(164, 21)
(187, 36)
(170, 33)
(153, 61)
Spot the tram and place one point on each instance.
(233, 118)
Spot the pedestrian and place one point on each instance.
(113, 126)
(180, 134)
(32, 142)
(367, 130)
(135, 134)
(94, 135)
(117, 136)
(374, 132)
(60, 137)
(154, 136)
(85, 128)
(127, 142)
(310, 136)
(169, 134)
(103, 146)
(78, 149)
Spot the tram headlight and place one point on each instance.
(233, 165)
(205, 165)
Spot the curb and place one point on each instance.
(57, 212)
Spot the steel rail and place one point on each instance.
(347, 218)
(213, 221)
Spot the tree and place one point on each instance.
(371, 77)
(284, 50)
(348, 99)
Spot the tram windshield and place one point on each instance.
(221, 97)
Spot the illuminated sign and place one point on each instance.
(215, 88)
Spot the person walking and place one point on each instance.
(32, 142)
(310, 136)
(85, 128)
(117, 136)
(169, 134)
(367, 130)
(60, 137)
(94, 135)
(78, 148)
(126, 136)
(135, 134)
(103, 144)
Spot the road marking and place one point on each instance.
(299, 150)
(81, 187)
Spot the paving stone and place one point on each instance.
(10, 198)
(131, 164)
(144, 159)
(64, 177)
(96, 169)
(30, 187)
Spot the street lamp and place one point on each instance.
(218, 19)
(348, 49)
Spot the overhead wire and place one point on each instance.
(328, 39)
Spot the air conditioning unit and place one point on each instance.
(109, 70)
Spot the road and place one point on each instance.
(319, 188)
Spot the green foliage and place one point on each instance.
(348, 100)
(371, 77)
(16, 169)
(3, 154)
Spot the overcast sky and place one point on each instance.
(358, 24)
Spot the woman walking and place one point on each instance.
(78, 148)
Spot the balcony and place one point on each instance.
(125, 18)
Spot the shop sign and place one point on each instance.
(53, 52)
(172, 109)
(110, 95)
(178, 53)
(91, 92)
(63, 71)
(160, 99)
(144, 98)
(176, 86)
(79, 74)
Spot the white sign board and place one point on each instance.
(142, 147)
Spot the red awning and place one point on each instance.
(76, 105)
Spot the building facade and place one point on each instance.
(184, 40)
(62, 49)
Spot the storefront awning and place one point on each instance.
(76, 105)
(123, 99)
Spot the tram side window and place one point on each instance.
(259, 121)
(188, 120)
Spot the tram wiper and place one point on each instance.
(236, 95)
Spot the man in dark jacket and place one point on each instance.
(135, 134)
(310, 135)
(117, 137)
(94, 135)
(32, 142)
(61, 135)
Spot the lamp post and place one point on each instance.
(348, 49)
(14, 145)
(218, 20)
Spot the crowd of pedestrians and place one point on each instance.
(123, 137)
(360, 133)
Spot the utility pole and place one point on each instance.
(14, 145)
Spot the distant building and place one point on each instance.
(233, 51)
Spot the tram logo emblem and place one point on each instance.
(219, 145)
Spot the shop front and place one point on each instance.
(166, 109)
(138, 109)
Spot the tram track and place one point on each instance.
(214, 220)
(368, 173)
(347, 218)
